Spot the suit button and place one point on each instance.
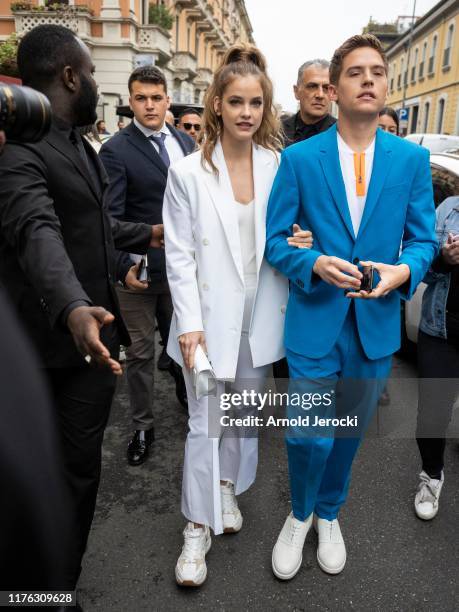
(355, 260)
(283, 309)
(205, 242)
(205, 286)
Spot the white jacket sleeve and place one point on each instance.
(180, 255)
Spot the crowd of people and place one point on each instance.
(234, 233)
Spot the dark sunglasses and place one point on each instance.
(188, 126)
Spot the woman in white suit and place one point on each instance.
(226, 296)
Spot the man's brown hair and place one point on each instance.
(349, 45)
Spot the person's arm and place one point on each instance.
(181, 266)
(30, 226)
(304, 267)
(419, 244)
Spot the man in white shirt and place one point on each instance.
(362, 193)
(137, 160)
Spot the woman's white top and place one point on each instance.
(246, 222)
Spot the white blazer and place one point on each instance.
(204, 263)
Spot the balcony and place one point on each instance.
(76, 19)
(204, 78)
(181, 4)
(153, 39)
(184, 65)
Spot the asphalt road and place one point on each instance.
(395, 561)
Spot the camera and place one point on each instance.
(25, 114)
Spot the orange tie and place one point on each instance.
(359, 169)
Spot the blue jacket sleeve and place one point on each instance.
(283, 211)
(419, 243)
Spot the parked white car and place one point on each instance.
(445, 178)
(436, 143)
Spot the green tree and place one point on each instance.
(158, 14)
(8, 54)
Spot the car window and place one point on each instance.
(445, 184)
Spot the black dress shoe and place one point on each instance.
(180, 389)
(137, 450)
(164, 361)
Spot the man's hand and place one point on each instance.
(338, 272)
(188, 343)
(157, 236)
(85, 323)
(391, 277)
(450, 250)
(301, 239)
(132, 282)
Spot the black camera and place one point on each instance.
(25, 114)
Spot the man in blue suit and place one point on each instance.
(137, 161)
(367, 198)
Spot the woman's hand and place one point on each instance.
(188, 343)
(301, 239)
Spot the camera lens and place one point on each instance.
(25, 114)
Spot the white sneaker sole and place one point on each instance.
(201, 580)
(288, 576)
(426, 517)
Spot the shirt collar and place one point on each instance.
(343, 147)
(147, 132)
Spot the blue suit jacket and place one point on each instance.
(138, 179)
(398, 226)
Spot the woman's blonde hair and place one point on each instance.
(239, 61)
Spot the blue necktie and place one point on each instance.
(159, 140)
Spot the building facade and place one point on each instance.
(424, 71)
(187, 45)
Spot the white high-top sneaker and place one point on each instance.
(288, 550)
(331, 551)
(191, 568)
(231, 515)
(428, 495)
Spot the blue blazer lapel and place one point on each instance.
(329, 159)
(140, 142)
(382, 162)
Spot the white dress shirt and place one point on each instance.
(346, 159)
(173, 148)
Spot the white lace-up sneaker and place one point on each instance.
(428, 495)
(331, 551)
(191, 569)
(288, 550)
(231, 515)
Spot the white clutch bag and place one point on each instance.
(204, 379)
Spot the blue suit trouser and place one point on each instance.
(320, 458)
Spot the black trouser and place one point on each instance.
(437, 360)
(83, 397)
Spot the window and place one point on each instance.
(448, 47)
(415, 63)
(423, 60)
(392, 76)
(426, 117)
(399, 80)
(440, 115)
(433, 53)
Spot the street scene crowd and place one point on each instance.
(258, 246)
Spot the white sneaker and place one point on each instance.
(191, 568)
(231, 515)
(288, 550)
(331, 551)
(426, 500)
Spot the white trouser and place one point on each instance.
(209, 460)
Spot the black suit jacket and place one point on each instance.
(58, 241)
(290, 124)
(137, 182)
